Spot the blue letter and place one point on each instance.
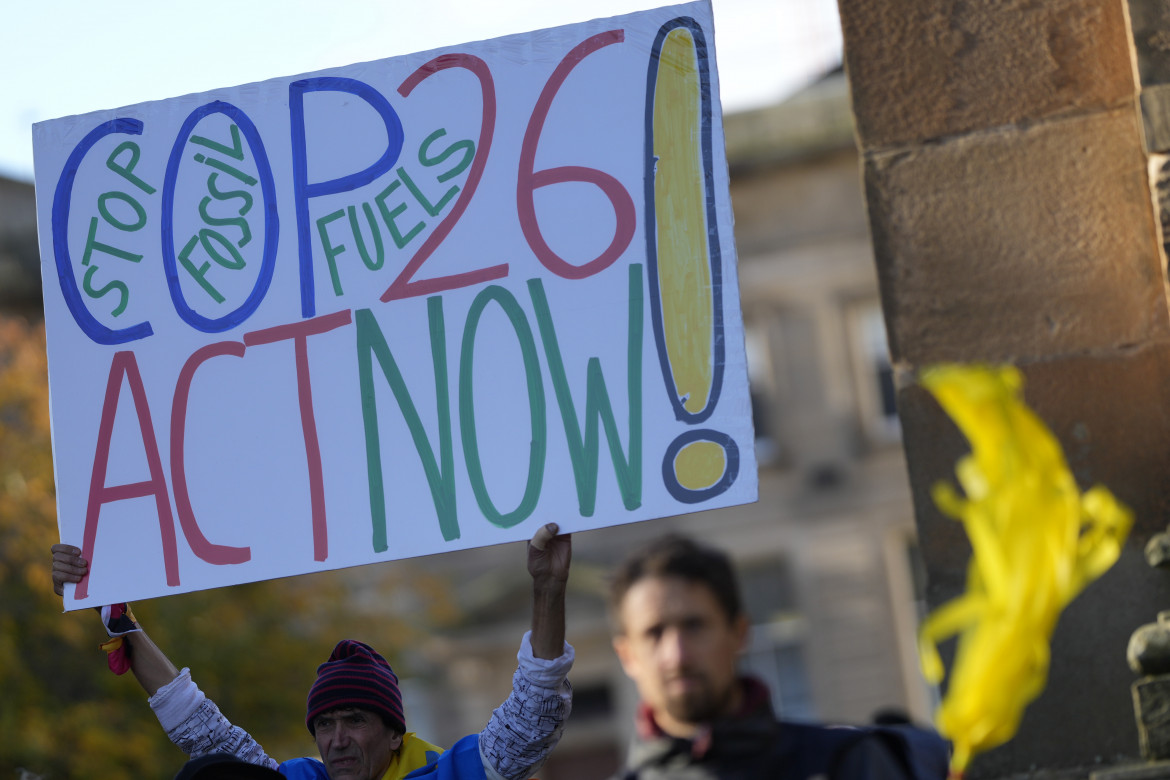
(271, 220)
(303, 190)
(62, 197)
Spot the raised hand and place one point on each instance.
(548, 563)
(68, 566)
(549, 555)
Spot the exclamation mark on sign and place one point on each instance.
(682, 241)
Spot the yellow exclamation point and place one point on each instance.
(683, 243)
(684, 267)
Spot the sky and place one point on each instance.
(63, 57)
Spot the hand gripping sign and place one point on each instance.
(394, 308)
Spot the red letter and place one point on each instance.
(212, 553)
(405, 285)
(299, 332)
(530, 179)
(124, 364)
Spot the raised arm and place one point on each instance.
(548, 564)
(149, 664)
(527, 726)
(191, 720)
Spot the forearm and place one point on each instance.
(528, 725)
(548, 619)
(194, 723)
(150, 665)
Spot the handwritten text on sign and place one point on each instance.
(396, 308)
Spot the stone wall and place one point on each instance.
(1013, 220)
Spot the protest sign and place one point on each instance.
(395, 308)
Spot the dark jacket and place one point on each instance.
(754, 744)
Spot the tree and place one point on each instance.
(254, 649)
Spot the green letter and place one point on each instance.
(432, 208)
(138, 211)
(441, 478)
(123, 291)
(467, 147)
(200, 273)
(91, 243)
(597, 405)
(235, 262)
(373, 265)
(331, 252)
(535, 403)
(389, 216)
(127, 171)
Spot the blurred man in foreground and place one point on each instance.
(679, 628)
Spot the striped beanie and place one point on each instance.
(356, 676)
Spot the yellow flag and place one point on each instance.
(1036, 543)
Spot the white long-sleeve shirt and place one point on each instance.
(515, 743)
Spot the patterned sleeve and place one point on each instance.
(528, 725)
(194, 723)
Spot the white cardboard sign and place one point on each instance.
(392, 309)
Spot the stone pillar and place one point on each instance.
(1012, 221)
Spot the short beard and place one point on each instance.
(701, 706)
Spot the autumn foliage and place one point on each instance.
(253, 649)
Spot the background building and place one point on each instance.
(20, 274)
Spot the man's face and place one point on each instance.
(680, 648)
(355, 744)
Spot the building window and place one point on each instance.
(762, 388)
(775, 655)
(873, 373)
(775, 648)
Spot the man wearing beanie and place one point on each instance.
(354, 707)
